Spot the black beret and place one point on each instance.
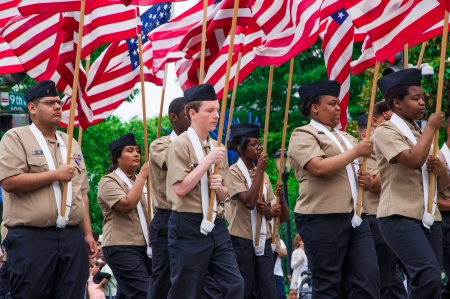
(329, 87)
(42, 89)
(202, 92)
(126, 140)
(409, 77)
(245, 129)
(362, 120)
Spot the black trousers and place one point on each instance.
(4, 280)
(339, 254)
(193, 254)
(446, 252)
(160, 279)
(46, 262)
(391, 282)
(419, 250)
(254, 269)
(132, 269)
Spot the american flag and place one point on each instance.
(9, 63)
(337, 47)
(146, 2)
(218, 27)
(247, 38)
(115, 72)
(368, 59)
(164, 41)
(33, 40)
(101, 26)
(30, 7)
(291, 27)
(393, 23)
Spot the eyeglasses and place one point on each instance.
(51, 103)
(255, 145)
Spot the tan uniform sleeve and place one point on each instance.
(178, 162)
(390, 142)
(372, 166)
(270, 194)
(235, 184)
(85, 186)
(110, 192)
(305, 147)
(13, 158)
(158, 151)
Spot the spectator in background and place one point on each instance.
(110, 287)
(96, 282)
(278, 271)
(299, 263)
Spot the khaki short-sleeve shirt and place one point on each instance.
(20, 153)
(319, 195)
(181, 160)
(401, 186)
(119, 228)
(158, 172)
(240, 223)
(370, 199)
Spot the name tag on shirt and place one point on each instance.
(37, 152)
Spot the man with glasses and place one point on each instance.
(47, 253)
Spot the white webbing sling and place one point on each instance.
(259, 250)
(356, 220)
(427, 219)
(206, 226)
(446, 152)
(61, 222)
(140, 210)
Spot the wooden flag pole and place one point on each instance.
(276, 222)
(163, 92)
(233, 97)
(144, 121)
(203, 44)
(422, 52)
(266, 133)
(73, 102)
(438, 109)
(368, 133)
(405, 57)
(80, 129)
(224, 99)
(161, 105)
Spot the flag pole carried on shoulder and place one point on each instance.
(73, 101)
(266, 133)
(224, 96)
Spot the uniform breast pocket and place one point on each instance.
(37, 164)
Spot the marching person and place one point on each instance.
(244, 181)
(403, 157)
(338, 244)
(444, 208)
(47, 254)
(160, 279)
(122, 196)
(196, 244)
(391, 282)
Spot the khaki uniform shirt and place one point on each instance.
(319, 195)
(240, 223)
(119, 228)
(181, 160)
(401, 186)
(158, 172)
(20, 153)
(370, 199)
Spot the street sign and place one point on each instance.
(13, 101)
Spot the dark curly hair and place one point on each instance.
(115, 155)
(241, 141)
(396, 92)
(306, 105)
